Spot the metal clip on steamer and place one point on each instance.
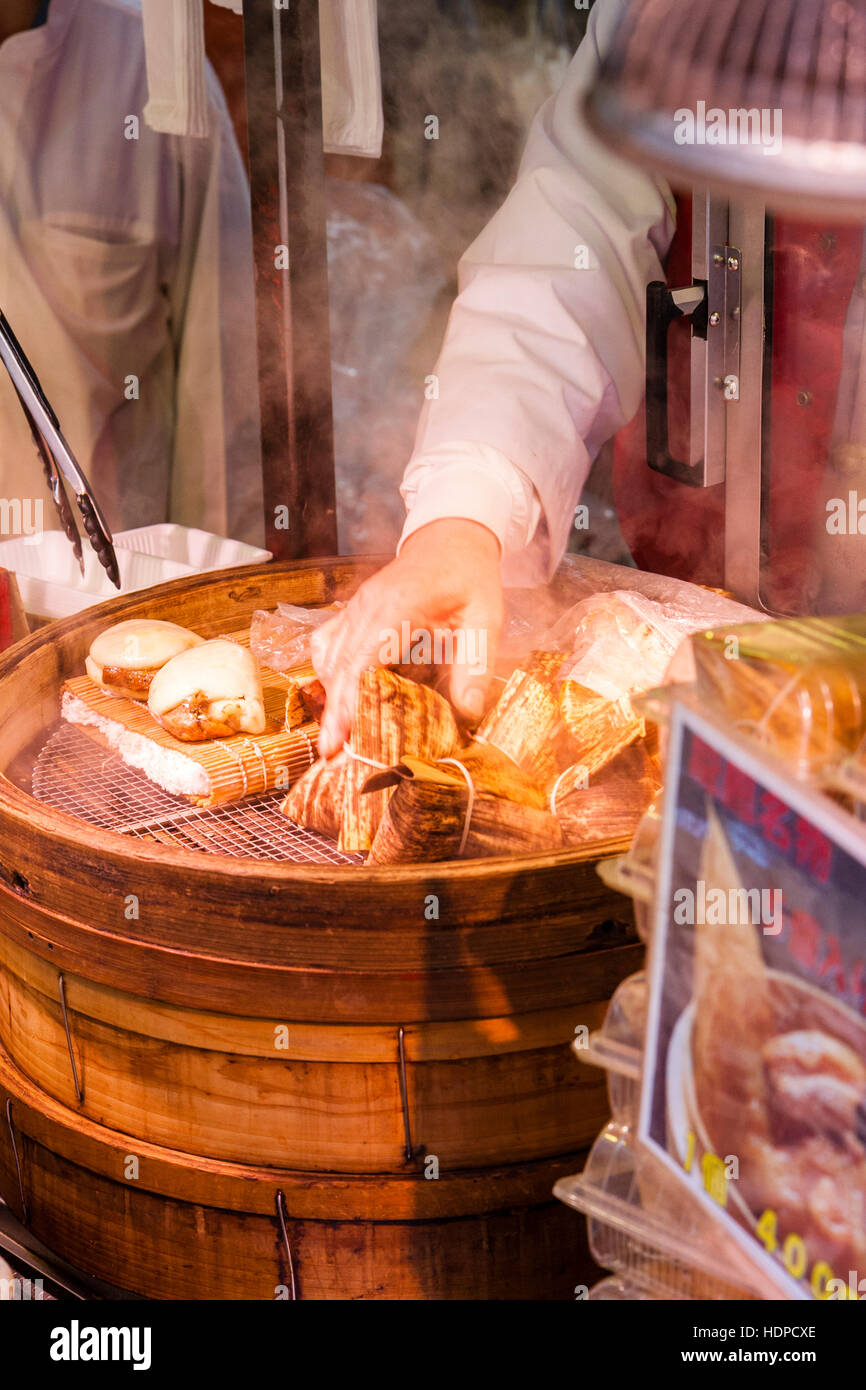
(57, 458)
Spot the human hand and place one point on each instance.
(446, 580)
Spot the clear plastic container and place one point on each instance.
(615, 1290)
(643, 1223)
(668, 1246)
(634, 873)
(617, 1045)
(797, 686)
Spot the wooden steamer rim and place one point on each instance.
(243, 987)
(336, 1098)
(311, 1041)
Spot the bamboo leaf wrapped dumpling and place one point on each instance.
(435, 815)
(526, 723)
(315, 802)
(393, 717)
(600, 728)
(609, 804)
(494, 772)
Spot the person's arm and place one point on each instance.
(216, 475)
(544, 354)
(543, 361)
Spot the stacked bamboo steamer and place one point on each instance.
(280, 1080)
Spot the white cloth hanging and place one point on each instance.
(351, 77)
(174, 55)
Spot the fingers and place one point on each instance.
(328, 650)
(342, 650)
(447, 587)
(324, 646)
(475, 647)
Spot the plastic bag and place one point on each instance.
(546, 619)
(797, 685)
(281, 640)
(622, 642)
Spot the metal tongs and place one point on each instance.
(57, 458)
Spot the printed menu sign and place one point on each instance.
(754, 1089)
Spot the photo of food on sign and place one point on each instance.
(755, 1086)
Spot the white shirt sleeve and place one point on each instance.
(543, 359)
(481, 483)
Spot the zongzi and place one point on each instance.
(526, 724)
(436, 814)
(600, 728)
(393, 717)
(494, 772)
(608, 805)
(315, 802)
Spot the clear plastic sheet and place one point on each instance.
(622, 643)
(550, 619)
(281, 639)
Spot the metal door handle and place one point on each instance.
(663, 306)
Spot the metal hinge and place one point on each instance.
(723, 326)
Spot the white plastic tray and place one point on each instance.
(200, 550)
(51, 585)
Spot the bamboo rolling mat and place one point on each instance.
(238, 767)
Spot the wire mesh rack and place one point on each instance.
(76, 775)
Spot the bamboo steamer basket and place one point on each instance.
(293, 1019)
(185, 1228)
(480, 1090)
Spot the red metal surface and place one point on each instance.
(672, 529)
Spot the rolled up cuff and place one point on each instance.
(463, 492)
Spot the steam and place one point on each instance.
(459, 98)
(398, 226)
